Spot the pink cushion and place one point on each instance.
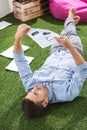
(60, 8)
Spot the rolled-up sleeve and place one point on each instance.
(77, 81)
(24, 69)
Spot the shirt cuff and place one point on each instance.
(19, 56)
(82, 66)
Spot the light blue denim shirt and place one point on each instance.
(63, 78)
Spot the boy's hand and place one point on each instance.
(64, 41)
(22, 30)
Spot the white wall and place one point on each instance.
(6, 7)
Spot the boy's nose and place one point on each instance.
(35, 89)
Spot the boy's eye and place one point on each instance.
(36, 94)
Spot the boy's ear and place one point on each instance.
(45, 103)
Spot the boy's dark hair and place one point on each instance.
(31, 109)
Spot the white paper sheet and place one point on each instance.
(12, 66)
(4, 24)
(9, 52)
(43, 37)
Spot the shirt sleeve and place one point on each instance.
(24, 69)
(77, 81)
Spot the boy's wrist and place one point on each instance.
(17, 41)
(70, 47)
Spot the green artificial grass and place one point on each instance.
(61, 116)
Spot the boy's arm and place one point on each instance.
(64, 41)
(75, 84)
(20, 60)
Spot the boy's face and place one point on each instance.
(38, 94)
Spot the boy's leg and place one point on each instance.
(70, 30)
(76, 20)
